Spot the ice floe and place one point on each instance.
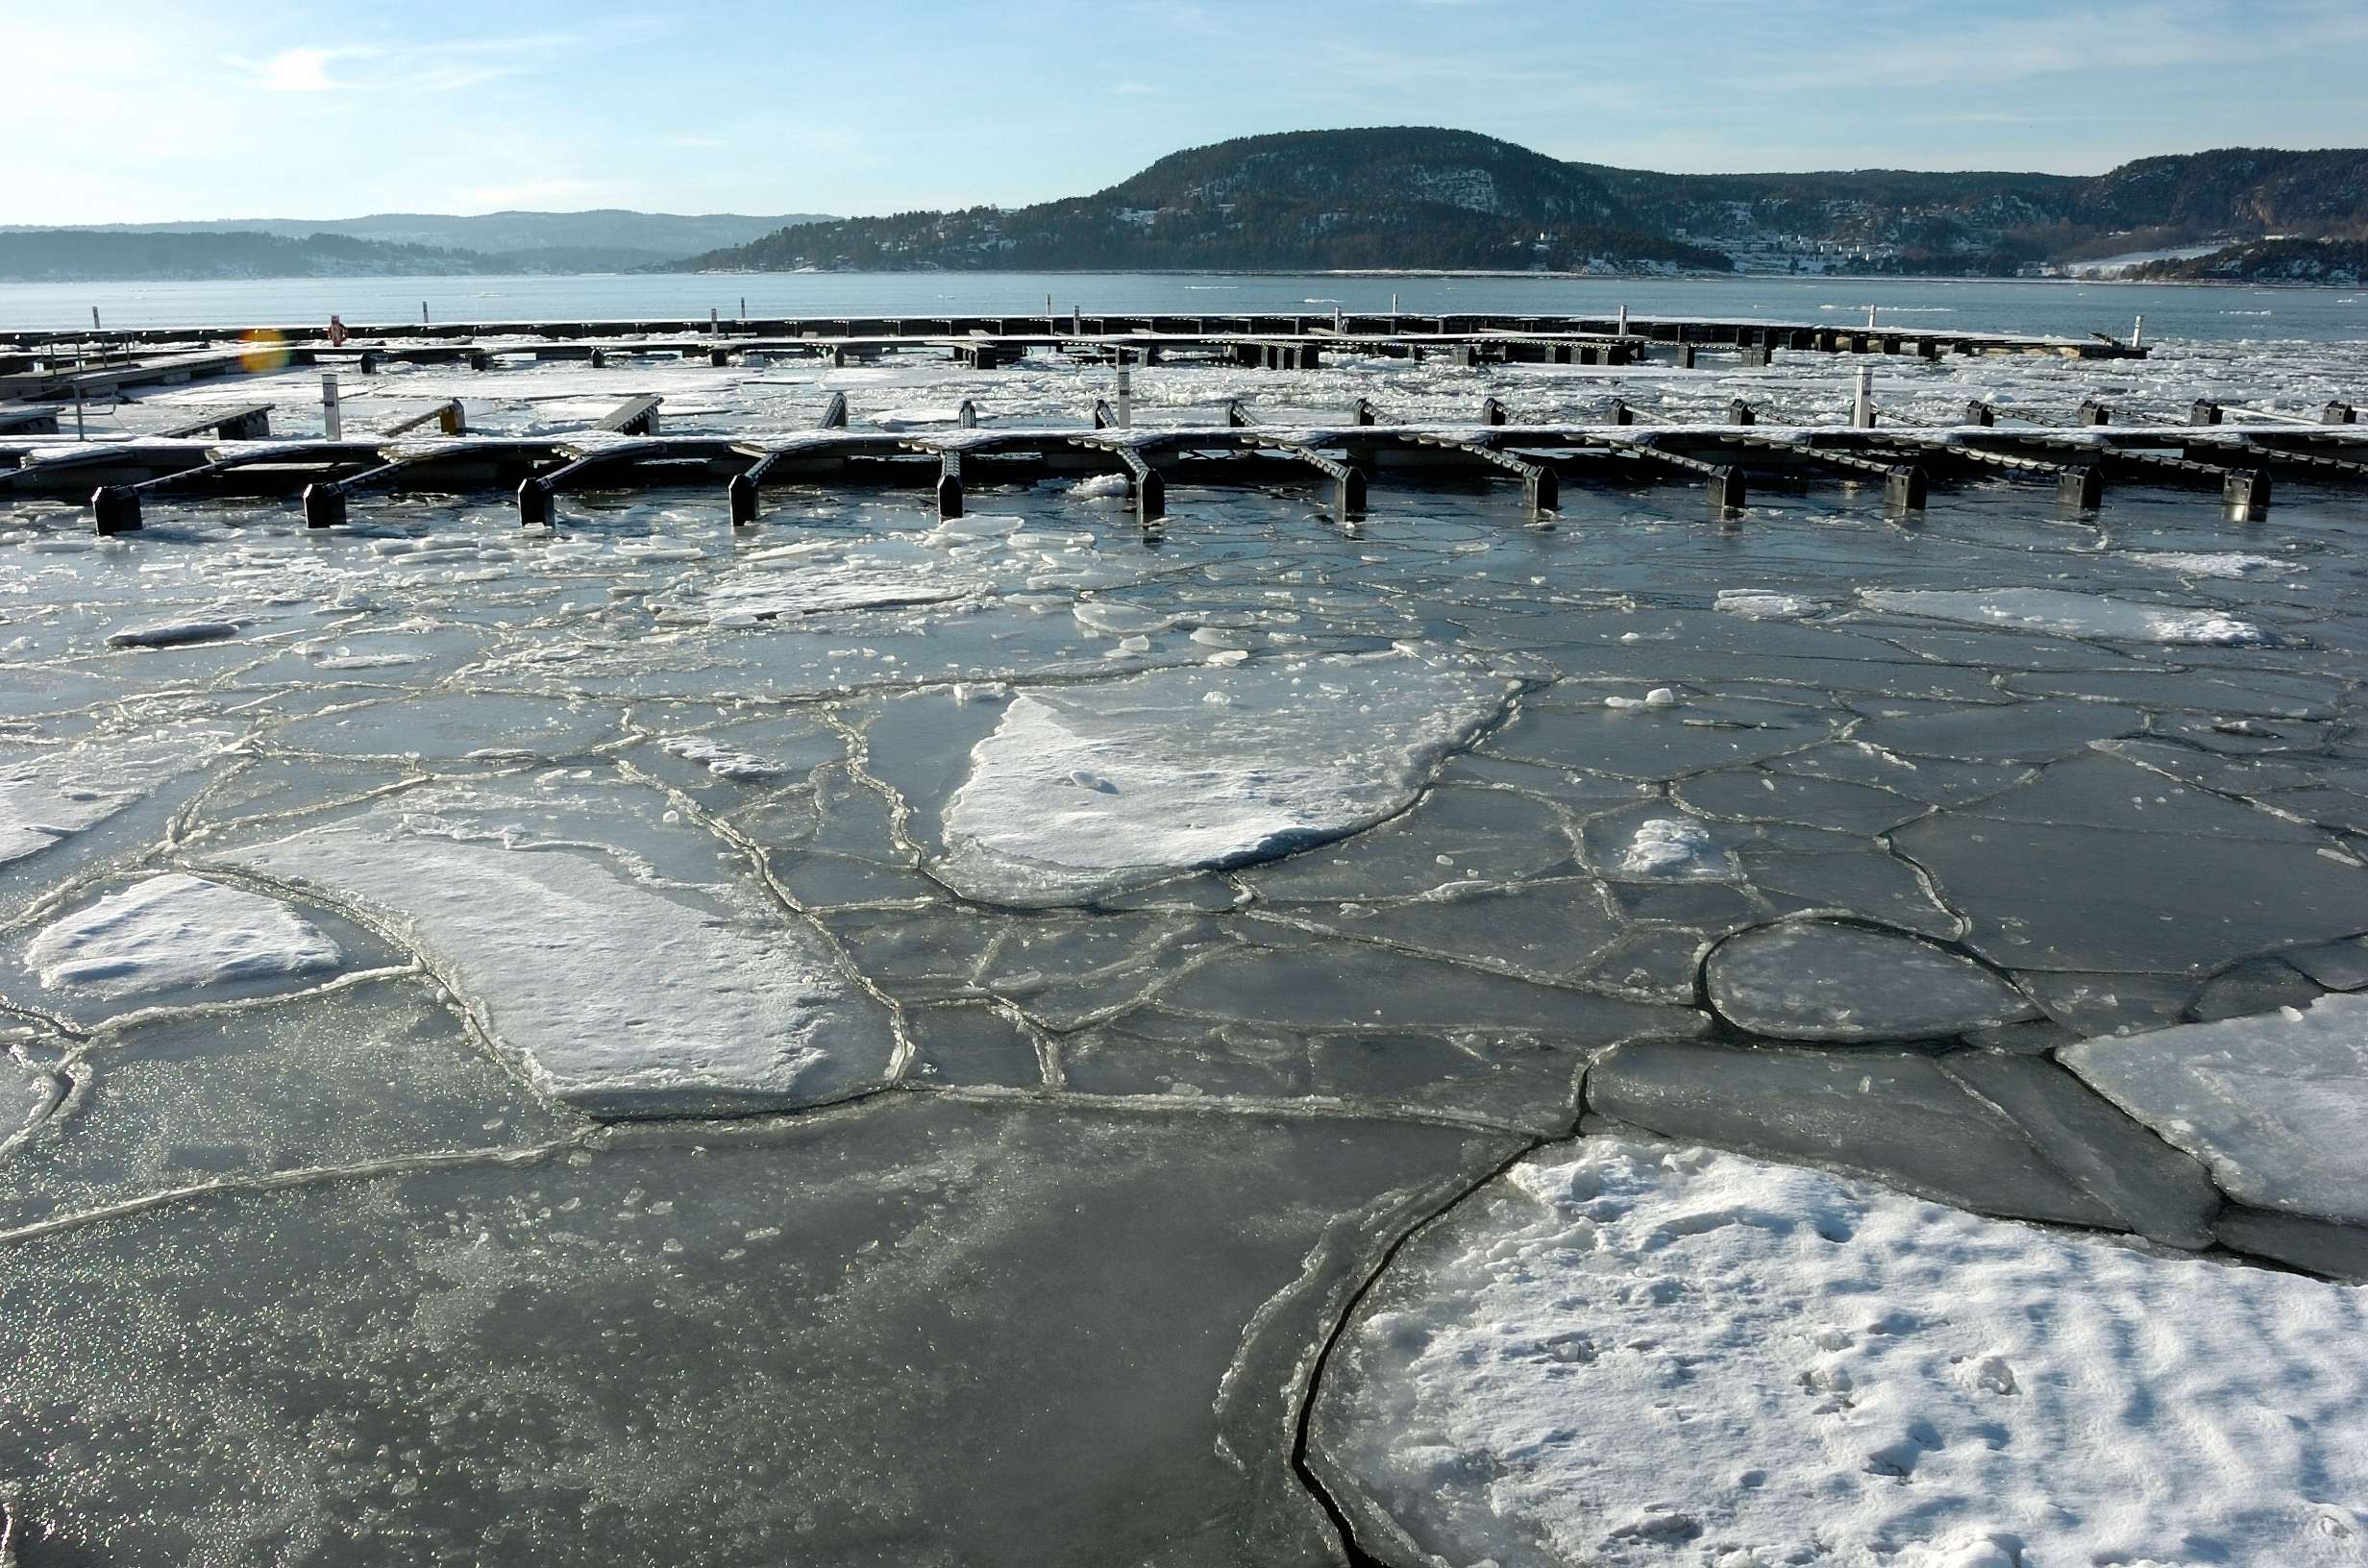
(1763, 604)
(1829, 980)
(1636, 1354)
(172, 633)
(2189, 563)
(880, 575)
(174, 931)
(621, 995)
(1671, 846)
(1294, 752)
(2276, 1104)
(2064, 613)
(52, 796)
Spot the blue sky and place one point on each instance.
(150, 110)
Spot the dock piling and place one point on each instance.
(114, 509)
(2081, 489)
(324, 505)
(950, 486)
(2247, 493)
(332, 418)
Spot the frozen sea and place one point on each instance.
(1806, 1039)
(2066, 307)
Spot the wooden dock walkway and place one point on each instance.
(1347, 451)
(52, 364)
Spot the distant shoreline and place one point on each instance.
(446, 280)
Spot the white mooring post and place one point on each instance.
(1870, 318)
(94, 320)
(1126, 398)
(2137, 334)
(423, 312)
(1624, 321)
(1077, 321)
(332, 422)
(79, 434)
(1394, 308)
(1336, 318)
(1862, 399)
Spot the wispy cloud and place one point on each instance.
(298, 70)
(451, 66)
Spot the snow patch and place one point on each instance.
(1644, 1355)
(176, 931)
(52, 796)
(1763, 604)
(1199, 767)
(620, 996)
(2059, 612)
(1668, 846)
(2208, 563)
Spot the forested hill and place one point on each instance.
(385, 243)
(1418, 197)
(1398, 197)
(2339, 262)
(71, 254)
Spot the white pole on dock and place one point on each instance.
(79, 434)
(423, 312)
(332, 422)
(1870, 318)
(1126, 398)
(2137, 334)
(1336, 318)
(1863, 400)
(1624, 321)
(715, 321)
(94, 320)
(1394, 308)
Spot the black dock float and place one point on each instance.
(1344, 448)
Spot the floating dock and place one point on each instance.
(1342, 454)
(53, 364)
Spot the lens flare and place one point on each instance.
(261, 350)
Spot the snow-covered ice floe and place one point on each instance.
(2189, 563)
(1085, 789)
(1765, 604)
(1673, 846)
(620, 994)
(816, 578)
(2061, 613)
(1633, 1355)
(53, 795)
(2276, 1104)
(173, 931)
